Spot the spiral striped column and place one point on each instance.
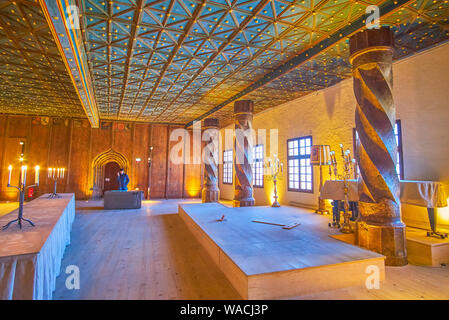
(243, 188)
(210, 192)
(380, 227)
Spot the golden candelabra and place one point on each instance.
(349, 166)
(276, 169)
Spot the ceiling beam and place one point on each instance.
(62, 23)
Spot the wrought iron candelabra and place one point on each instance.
(55, 174)
(276, 168)
(22, 187)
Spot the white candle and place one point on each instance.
(24, 175)
(9, 175)
(36, 175)
(62, 171)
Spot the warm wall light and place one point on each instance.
(138, 159)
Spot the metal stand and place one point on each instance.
(321, 204)
(54, 195)
(22, 189)
(433, 225)
(276, 203)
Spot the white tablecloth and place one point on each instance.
(429, 194)
(30, 259)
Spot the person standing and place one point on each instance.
(123, 180)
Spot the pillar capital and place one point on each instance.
(210, 123)
(371, 38)
(243, 106)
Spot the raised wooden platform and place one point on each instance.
(266, 262)
(424, 250)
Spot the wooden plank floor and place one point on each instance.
(150, 254)
(7, 207)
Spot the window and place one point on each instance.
(227, 166)
(399, 162)
(257, 166)
(399, 159)
(300, 176)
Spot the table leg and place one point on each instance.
(431, 212)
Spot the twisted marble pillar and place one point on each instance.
(380, 227)
(210, 192)
(243, 189)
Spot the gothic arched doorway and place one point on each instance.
(106, 165)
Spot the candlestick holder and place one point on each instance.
(348, 167)
(54, 195)
(347, 160)
(276, 167)
(22, 189)
(55, 174)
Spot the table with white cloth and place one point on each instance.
(428, 194)
(30, 259)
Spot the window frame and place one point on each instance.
(256, 160)
(400, 150)
(231, 163)
(299, 157)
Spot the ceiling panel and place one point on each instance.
(33, 78)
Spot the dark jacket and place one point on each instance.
(123, 180)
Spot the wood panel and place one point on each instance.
(59, 149)
(159, 161)
(175, 167)
(3, 130)
(141, 150)
(39, 142)
(73, 144)
(122, 136)
(78, 169)
(101, 140)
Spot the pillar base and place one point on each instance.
(210, 195)
(387, 240)
(244, 203)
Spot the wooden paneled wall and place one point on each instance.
(73, 144)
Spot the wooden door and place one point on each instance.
(110, 176)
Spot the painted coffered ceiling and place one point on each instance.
(176, 61)
(33, 78)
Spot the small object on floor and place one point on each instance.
(291, 226)
(274, 224)
(284, 226)
(221, 219)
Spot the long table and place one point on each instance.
(30, 259)
(428, 194)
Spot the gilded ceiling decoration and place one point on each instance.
(177, 61)
(33, 78)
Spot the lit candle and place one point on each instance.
(59, 173)
(9, 175)
(24, 175)
(63, 171)
(36, 175)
